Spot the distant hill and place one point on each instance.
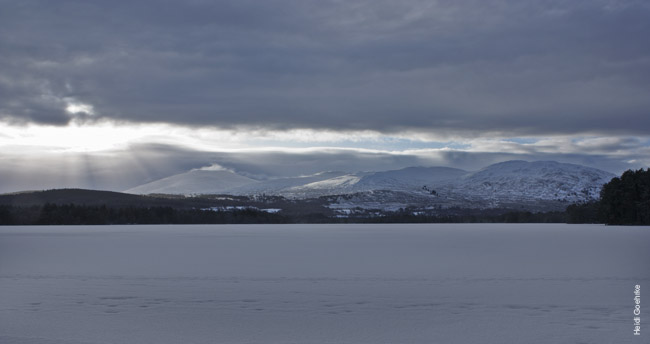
(410, 179)
(89, 198)
(509, 183)
(544, 180)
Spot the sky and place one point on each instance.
(110, 95)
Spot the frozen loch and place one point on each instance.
(432, 283)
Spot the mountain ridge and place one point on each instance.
(505, 182)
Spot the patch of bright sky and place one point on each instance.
(81, 138)
(106, 136)
(98, 136)
(76, 107)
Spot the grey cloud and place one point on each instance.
(613, 145)
(30, 100)
(265, 164)
(466, 66)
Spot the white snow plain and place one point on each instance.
(429, 283)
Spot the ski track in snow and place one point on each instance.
(320, 284)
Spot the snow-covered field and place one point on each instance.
(322, 284)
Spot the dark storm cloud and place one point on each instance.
(520, 67)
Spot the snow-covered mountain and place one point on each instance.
(410, 179)
(540, 185)
(280, 186)
(195, 182)
(506, 183)
(547, 180)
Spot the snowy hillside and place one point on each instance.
(548, 180)
(195, 182)
(410, 179)
(338, 185)
(282, 185)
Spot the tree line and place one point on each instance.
(72, 214)
(623, 201)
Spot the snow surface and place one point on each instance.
(321, 284)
